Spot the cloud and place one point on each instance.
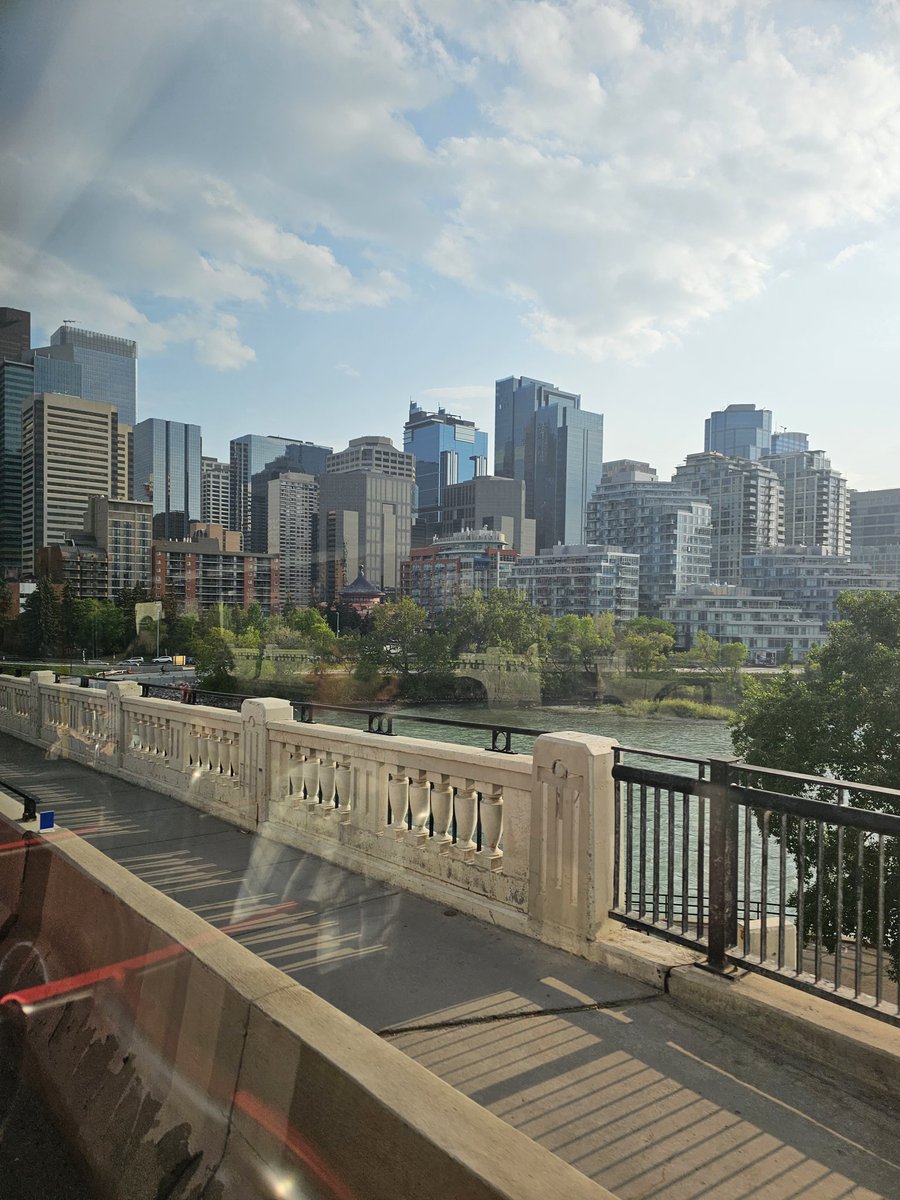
(346, 369)
(849, 252)
(616, 173)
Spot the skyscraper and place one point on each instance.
(252, 453)
(544, 437)
(101, 366)
(71, 451)
(447, 450)
(166, 471)
(16, 386)
(563, 465)
(516, 400)
(15, 334)
(365, 515)
(292, 509)
(875, 518)
(739, 431)
(747, 502)
(215, 491)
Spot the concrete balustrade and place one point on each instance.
(522, 841)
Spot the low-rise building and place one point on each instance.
(472, 560)
(770, 629)
(810, 579)
(584, 580)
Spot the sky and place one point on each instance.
(308, 214)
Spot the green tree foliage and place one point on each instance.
(503, 618)
(706, 654)
(401, 643)
(839, 718)
(214, 660)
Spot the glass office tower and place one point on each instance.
(166, 471)
(563, 464)
(252, 453)
(739, 431)
(102, 367)
(16, 386)
(516, 400)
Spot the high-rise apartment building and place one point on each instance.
(201, 574)
(816, 502)
(166, 472)
(102, 367)
(292, 514)
(747, 503)
(489, 502)
(124, 529)
(770, 629)
(215, 491)
(448, 450)
(71, 450)
(666, 524)
(739, 431)
(875, 518)
(252, 453)
(544, 437)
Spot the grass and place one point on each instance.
(677, 708)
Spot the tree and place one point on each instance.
(214, 660)
(839, 718)
(716, 658)
(503, 618)
(402, 644)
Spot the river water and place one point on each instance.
(674, 734)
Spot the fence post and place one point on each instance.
(37, 679)
(723, 863)
(256, 759)
(570, 874)
(116, 692)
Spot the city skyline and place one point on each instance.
(666, 207)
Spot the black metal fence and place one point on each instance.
(793, 876)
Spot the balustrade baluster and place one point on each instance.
(492, 828)
(343, 777)
(420, 805)
(442, 811)
(465, 808)
(327, 783)
(295, 775)
(214, 756)
(311, 780)
(398, 795)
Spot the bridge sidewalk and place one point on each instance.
(613, 1077)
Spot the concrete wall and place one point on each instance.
(187, 1066)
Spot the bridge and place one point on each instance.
(248, 995)
(509, 680)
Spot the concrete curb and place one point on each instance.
(862, 1051)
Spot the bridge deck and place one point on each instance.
(642, 1097)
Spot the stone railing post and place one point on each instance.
(117, 717)
(258, 766)
(570, 862)
(36, 708)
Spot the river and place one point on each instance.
(675, 734)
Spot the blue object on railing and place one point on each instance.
(46, 820)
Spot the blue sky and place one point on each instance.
(309, 213)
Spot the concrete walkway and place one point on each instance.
(642, 1097)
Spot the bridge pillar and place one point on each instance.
(570, 887)
(256, 759)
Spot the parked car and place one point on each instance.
(134, 662)
(163, 658)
